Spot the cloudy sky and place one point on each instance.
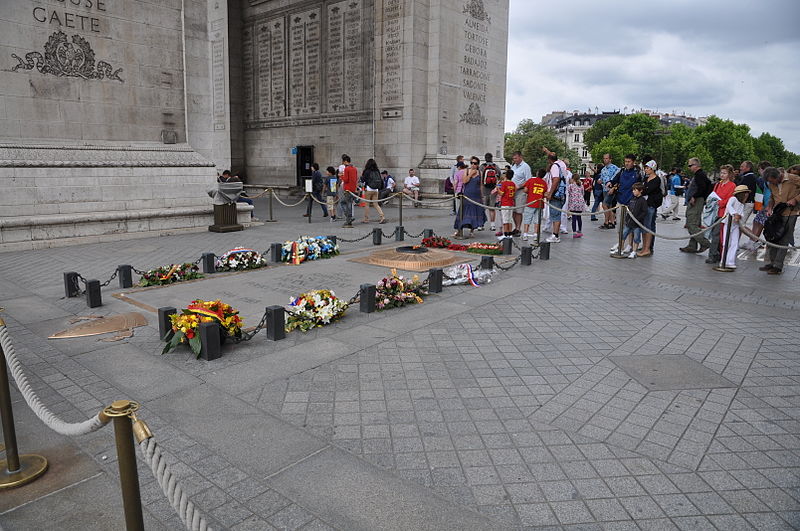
(737, 59)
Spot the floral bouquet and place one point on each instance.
(457, 247)
(185, 324)
(436, 242)
(395, 291)
(485, 248)
(239, 259)
(314, 308)
(308, 248)
(169, 274)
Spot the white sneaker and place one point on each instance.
(627, 249)
(614, 249)
(493, 228)
(564, 231)
(632, 254)
(525, 237)
(553, 239)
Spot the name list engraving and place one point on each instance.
(271, 49)
(304, 62)
(392, 71)
(474, 69)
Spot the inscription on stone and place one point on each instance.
(248, 80)
(65, 15)
(345, 56)
(474, 69)
(218, 82)
(271, 50)
(392, 72)
(304, 62)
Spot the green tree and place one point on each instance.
(642, 128)
(771, 148)
(726, 142)
(529, 138)
(600, 130)
(617, 146)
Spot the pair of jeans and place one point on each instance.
(598, 199)
(694, 214)
(322, 203)
(577, 222)
(777, 256)
(715, 251)
(346, 205)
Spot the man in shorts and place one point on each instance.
(522, 172)
(556, 194)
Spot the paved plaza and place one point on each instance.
(581, 392)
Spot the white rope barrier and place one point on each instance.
(188, 513)
(45, 415)
(278, 199)
(760, 239)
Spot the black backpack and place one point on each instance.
(775, 226)
(374, 180)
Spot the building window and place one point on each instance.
(585, 152)
(577, 137)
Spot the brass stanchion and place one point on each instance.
(722, 267)
(620, 243)
(122, 411)
(16, 470)
(400, 207)
(271, 193)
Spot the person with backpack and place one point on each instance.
(317, 188)
(597, 190)
(490, 177)
(372, 181)
(522, 172)
(783, 209)
(556, 195)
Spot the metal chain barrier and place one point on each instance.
(364, 237)
(107, 282)
(247, 336)
(45, 415)
(389, 235)
(508, 268)
(188, 513)
(414, 235)
(302, 200)
(761, 239)
(532, 203)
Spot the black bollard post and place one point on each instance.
(376, 236)
(125, 276)
(399, 233)
(539, 226)
(487, 262)
(210, 344)
(620, 231)
(507, 243)
(544, 251)
(271, 220)
(427, 233)
(71, 286)
(93, 296)
(207, 263)
(275, 250)
(332, 239)
(276, 323)
(526, 255)
(723, 267)
(164, 322)
(367, 299)
(400, 208)
(435, 278)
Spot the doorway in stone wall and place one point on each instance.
(305, 157)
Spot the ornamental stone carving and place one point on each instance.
(474, 116)
(65, 58)
(477, 10)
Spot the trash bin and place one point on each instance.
(225, 196)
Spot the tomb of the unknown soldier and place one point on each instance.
(310, 265)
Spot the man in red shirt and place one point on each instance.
(535, 188)
(349, 179)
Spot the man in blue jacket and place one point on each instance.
(625, 180)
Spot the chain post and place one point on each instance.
(276, 323)
(367, 298)
(93, 296)
(487, 262)
(399, 233)
(722, 267)
(526, 255)
(435, 278)
(539, 226)
(207, 259)
(121, 411)
(507, 245)
(15, 470)
(275, 250)
(164, 321)
(125, 276)
(271, 219)
(376, 236)
(544, 251)
(332, 239)
(427, 233)
(620, 232)
(210, 341)
(71, 286)
(400, 207)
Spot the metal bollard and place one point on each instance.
(399, 233)
(207, 261)
(526, 255)
(276, 323)
(15, 470)
(435, 278)
(544, 251)
(332, 239)
(507, 245)
(125, 276)
(164, 322)
(210, 341)
(367, 299)
(71, 286)
(376, 236)
(275, 250)
(93, 296)
(487, 262)
(427, 233)
(271, 220)
(620, 231)
(400, 208)
(722, 266)
(121, 411)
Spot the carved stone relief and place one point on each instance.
(67, 58)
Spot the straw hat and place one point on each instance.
(741, 189)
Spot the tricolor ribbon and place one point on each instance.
(471, 277)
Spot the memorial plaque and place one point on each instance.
(218, 82)
(248, 80)
(392, 67)
(270, 66)
(304, 62)
(353, 56)
(474, 69)
(335, 62)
